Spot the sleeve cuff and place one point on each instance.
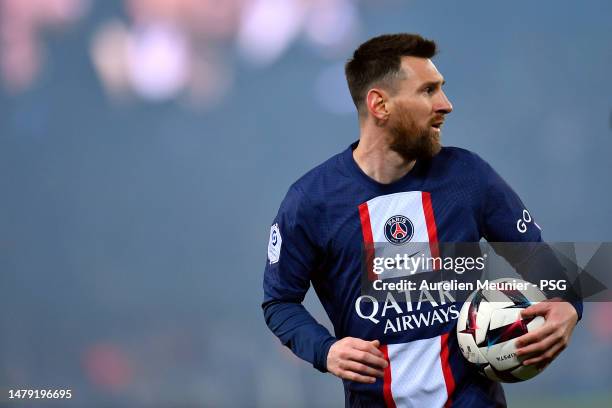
(320, 362)
(578, 306)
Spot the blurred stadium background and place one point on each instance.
(145, 146)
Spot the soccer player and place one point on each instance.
(396, 184)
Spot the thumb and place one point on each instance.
(375, 343)
(536, 309)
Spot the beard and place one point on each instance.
(410, 141)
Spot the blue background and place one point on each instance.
(141, 229)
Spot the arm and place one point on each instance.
(505, 219)
(295, 251)
(299, 331)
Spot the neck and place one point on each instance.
(377, 160)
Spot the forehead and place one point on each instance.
(420, 70)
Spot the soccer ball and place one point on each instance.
(489, 324)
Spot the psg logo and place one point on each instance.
(398, 229)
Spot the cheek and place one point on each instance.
(422, 110)
(424, 118)
(416, 110)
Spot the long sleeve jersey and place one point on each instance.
(318, 239)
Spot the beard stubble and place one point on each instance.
(410, 141)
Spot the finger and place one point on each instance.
(535, 336)
(369, 347)
(367, 358)
(536, 349)
(376, 345)
(362, 369)
(349, 375)
(537, 309)
(540, 346)
(545, 358)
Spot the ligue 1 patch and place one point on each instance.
(398, 229)
(274, 245)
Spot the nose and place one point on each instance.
(442, 104)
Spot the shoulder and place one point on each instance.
(304, 206)
(461, 156)
(459, 161)
(307, 195)
(456, 161)
(314, 184)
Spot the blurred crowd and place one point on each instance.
(164, 49)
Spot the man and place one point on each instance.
(396, 183)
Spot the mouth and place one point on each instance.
(437, 126)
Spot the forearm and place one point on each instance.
(298, 330)
(537, 261)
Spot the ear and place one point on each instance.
(376, 102)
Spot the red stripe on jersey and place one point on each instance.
(389, 403)
(430, 220)
(368, 240)
(446, 369)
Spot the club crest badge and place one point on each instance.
(399, 229)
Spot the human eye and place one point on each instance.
(429, 89)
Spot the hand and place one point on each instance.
(544, 344)
(356, 360)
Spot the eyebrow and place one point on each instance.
(434, 83)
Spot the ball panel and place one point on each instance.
(463, 313)
(490, 373)
(501, 376)
(469, 349)
(474, 317)
(496, 299)
(534, 294)
(502, 356)
(525, 372)
(536, 323)
(482, 317)
(504, 317)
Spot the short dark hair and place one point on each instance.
(379, 60)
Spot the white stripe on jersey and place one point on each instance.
(410, 205)
(417, 379)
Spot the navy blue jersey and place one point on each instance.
(318, 238)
